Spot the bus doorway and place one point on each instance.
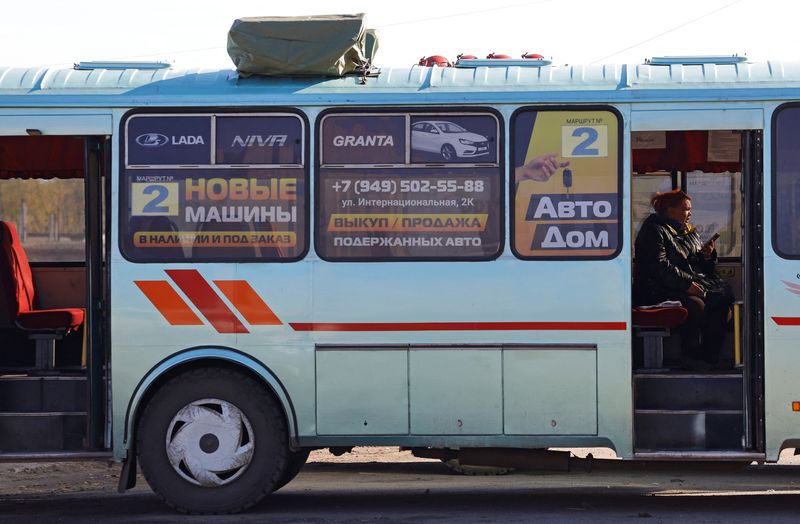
(683, 408)
(53, 367)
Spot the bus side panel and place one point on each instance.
(579, 373)
(781, 317)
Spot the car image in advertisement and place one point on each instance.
(456, 139)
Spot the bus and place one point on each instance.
(209, 275)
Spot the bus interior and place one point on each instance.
(53, 367)
(679, 411)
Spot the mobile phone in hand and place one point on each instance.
(713, 238)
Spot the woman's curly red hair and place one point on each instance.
(663, 201)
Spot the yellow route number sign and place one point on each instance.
(154, 199)
(584, 141)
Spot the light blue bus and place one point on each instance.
(221, 274)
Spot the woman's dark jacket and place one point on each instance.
(667, 261)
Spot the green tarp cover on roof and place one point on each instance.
(329, 45)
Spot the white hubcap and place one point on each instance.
(210, 442)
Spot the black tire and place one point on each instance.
(297, 460)
(230, 403)
(448, 152)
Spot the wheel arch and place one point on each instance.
(211, 356)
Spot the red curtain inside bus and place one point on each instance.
(685, 151)
(41, 157)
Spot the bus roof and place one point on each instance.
(596, 83)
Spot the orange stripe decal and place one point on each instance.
(246, 300)
(168, 303)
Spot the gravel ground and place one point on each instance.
(74, 477)
(103, 476)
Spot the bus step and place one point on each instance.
(658, 430)
(42, 431)
(33, 394)
(688, 392)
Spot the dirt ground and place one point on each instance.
(73, 477)
(103, 476)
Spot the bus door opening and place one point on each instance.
(52, 279)
(680, 404)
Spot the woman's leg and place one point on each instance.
(692, 327)
(715, 323)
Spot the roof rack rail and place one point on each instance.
(121, 65)
(696, 60)
(502, 62)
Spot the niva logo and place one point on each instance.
(260, 141)
(152, 140)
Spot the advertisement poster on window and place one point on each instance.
(438, 196)
(236, 193)
(566, 175)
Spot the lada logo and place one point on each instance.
(152, 140)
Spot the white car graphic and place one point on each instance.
(447, 139)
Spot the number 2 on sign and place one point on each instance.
(584, 141)
(154, 199)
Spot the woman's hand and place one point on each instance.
(696, 290)
(708, 249)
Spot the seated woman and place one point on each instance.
(672, 264)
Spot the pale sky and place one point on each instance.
(192, 33)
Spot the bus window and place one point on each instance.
(42, 193)
(705, 164)
(644, 187)
(409, 186)
(567, 172)
(716, 208)
(214, 187)
(786, 182)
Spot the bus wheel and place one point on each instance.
(212, 441)
(448, 152)
(297, 460)
(475, 471)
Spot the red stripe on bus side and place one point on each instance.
(787, 321)
(168, 302)
(194, 286)
(459, 326)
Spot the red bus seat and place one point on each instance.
(652, 325)
(663, 317)
(43, 325)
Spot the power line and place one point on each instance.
(405, 22)
(667, 31)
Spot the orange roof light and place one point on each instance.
(795, 406)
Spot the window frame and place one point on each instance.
(224, 112)
(411, 112)
(512, 189)
(774, 180)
